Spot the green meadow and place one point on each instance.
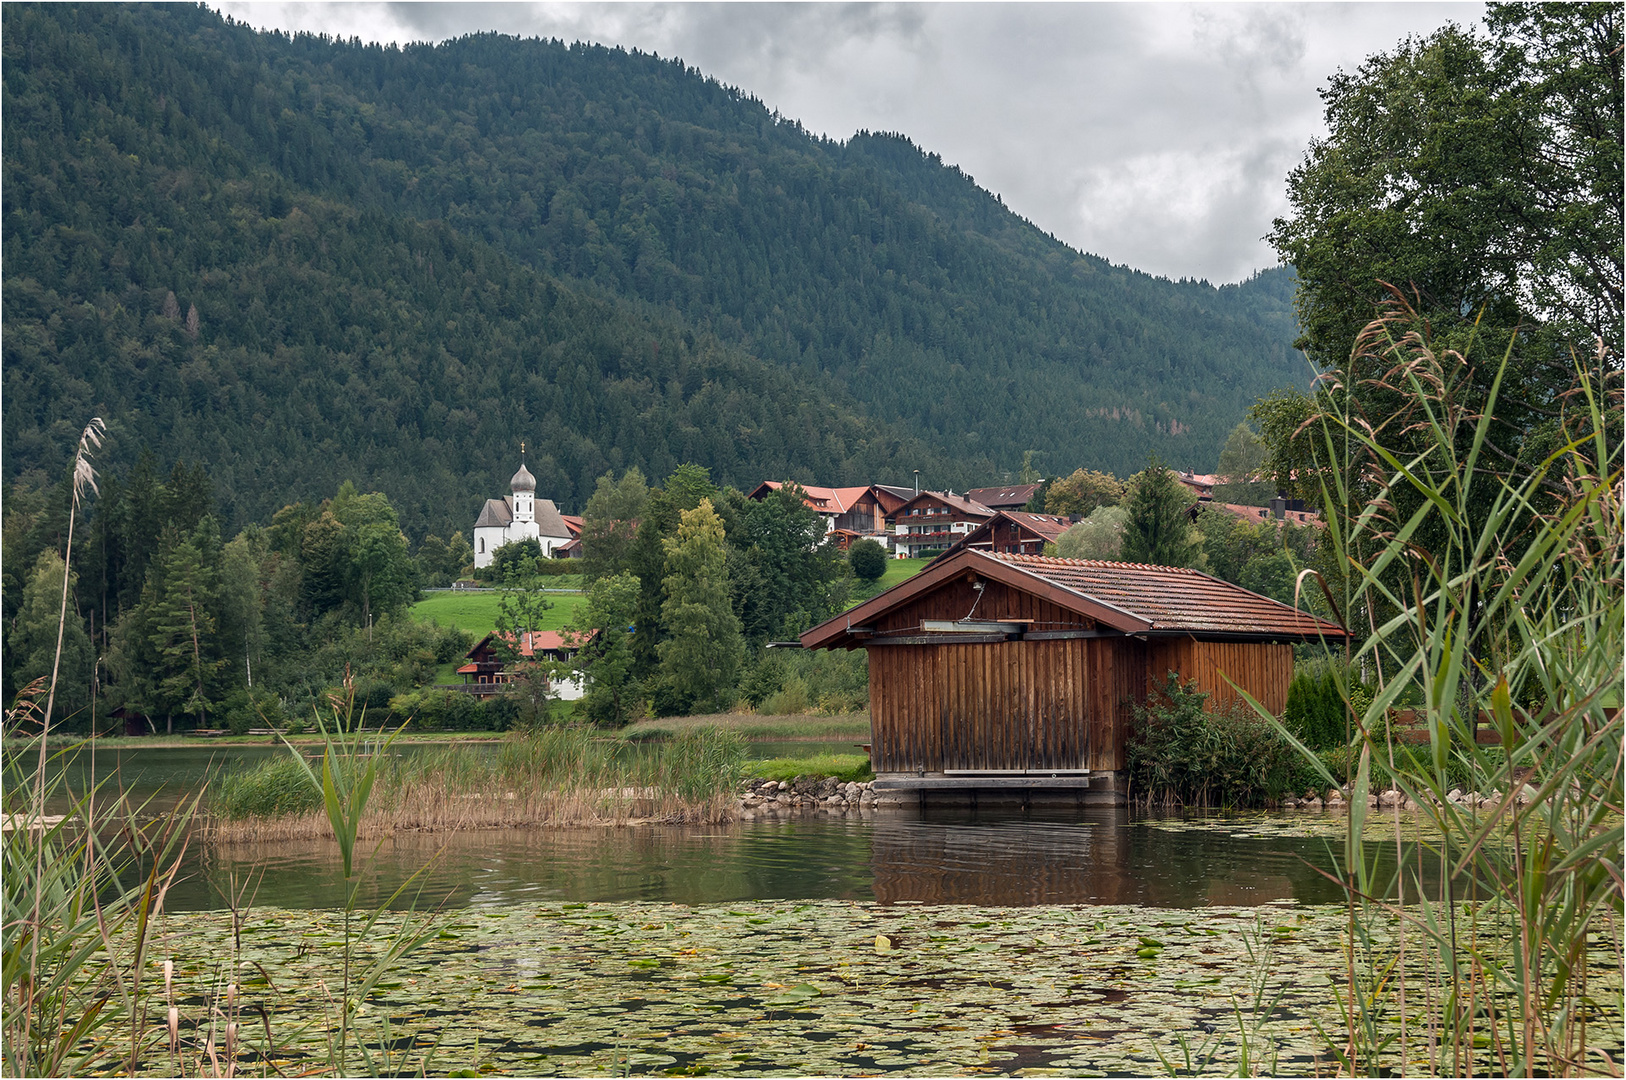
(476, 612)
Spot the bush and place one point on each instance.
(270, 789)
(1315, 713)
(764, 678)
(868, 559)
(1184, 755)
(792, 699)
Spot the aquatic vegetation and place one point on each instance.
(555, 776)
(1490, 591)
(806, 988)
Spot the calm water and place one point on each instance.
(1095, 856)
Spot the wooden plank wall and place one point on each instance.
(956, 600)
(1264, 670)
(1009, 705)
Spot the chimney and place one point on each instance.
(1278, 507)
(917, 481)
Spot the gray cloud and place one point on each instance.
(1157, 135)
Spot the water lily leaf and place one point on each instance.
(795, 995)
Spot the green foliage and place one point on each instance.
(1158, 531)
(609, 522)
(848, 768)
(612, 696)
(1082, 492)
(1183, 754)
(441, 562)
(791, 699)
(1099, 536)
(1242, 467)
(867, 558)
(783, 573)
(1315, 712)
(445, 709)
(700, 660)
(31, 646)
(702, 763)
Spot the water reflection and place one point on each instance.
(1100, 856)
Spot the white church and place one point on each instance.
(520, 516)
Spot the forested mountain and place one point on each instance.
(299, 261)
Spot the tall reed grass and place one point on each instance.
(557, 776)
(1503, 591)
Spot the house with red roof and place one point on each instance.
(848, 512)
(487, 672)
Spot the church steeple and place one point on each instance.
(524, 488)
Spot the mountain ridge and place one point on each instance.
(934, 326)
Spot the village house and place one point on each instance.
(931, 521)
(1000, 676)
(849, 513)
(1014, 532)
(486, 672)
(518, 516)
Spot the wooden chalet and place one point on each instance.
(1001, 673)
(486, 672)
(928, 523)
(1014, 532)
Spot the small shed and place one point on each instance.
(1020, 671)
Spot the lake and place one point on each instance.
(1103, 856)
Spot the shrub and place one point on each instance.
(764, 678)
(868, 559)
(791, 699)
(1182, 754)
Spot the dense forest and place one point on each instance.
(302, 261)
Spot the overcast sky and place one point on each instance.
(1156, 135)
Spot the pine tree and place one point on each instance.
(1159, 531)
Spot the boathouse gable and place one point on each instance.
(994, 665)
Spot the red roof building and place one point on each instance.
(487, 671)
(854, 510)
(1009, 497)
(1014, 532)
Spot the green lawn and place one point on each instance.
(896, 570)
(476, 612)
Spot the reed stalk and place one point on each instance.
(1494, 593)
(556, 777)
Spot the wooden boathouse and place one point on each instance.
(1003, 674)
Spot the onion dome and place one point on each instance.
(523, 480)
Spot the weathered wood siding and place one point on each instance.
(1033, 704)
(1263, 670)
(957, 600)
(1009, 705)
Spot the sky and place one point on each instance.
(1156, 135)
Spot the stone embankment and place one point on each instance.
(810, 794)
(1334, 799)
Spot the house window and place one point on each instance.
(482, 545)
